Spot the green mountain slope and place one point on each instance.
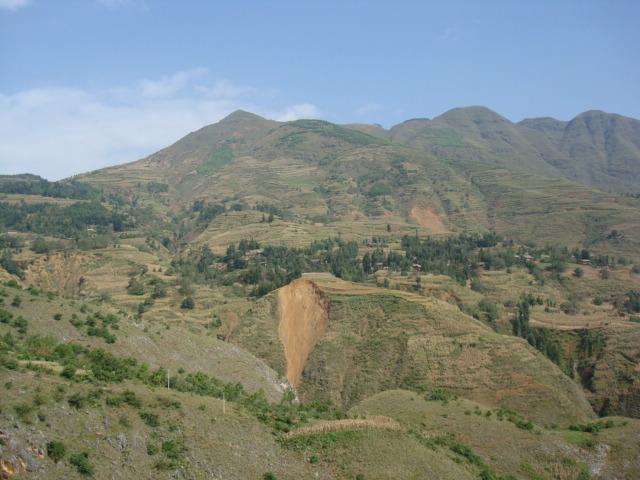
(473, 176)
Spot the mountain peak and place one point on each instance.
(473, 112)
(241, 116)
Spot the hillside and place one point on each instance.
(313, 173)
(595, 148)
(301, 299)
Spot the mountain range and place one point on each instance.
(449, 298)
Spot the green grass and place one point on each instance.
(221, 157)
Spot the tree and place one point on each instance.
(578, 272)
(40, 245)
(188, 303)
(135, 287)
(388, 227)
(270, 219)
(366, 263)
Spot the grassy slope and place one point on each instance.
(172, 345)
(319, 172)
(232, 445)
(539, 453)
(379, 339)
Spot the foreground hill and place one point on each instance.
(72, 409)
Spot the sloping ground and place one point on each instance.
(552, 210)
(172, 346)
(609, 370)
(615, 381)
(349, 424)
(509, 450)
(428, 218)
(303, 320)
(382, 455)
(378, 339)
(193, 437)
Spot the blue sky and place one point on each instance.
(90, 83)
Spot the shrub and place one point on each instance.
(77, 400)
(269, 476)
(57, 317)
(152, 449)
(188, 303)
(16, 302)
(151, 419)
(68, 372)
(56, 450)
(440, 395)
(82, 463)
(23, 410)
(21, 325)
(135, 287)
(5, 316)
(127, 397)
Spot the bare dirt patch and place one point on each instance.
(303, 316)
(428, 218)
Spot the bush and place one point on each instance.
(5, 316)
(16, 302)
(21, 325)
(188, 303)
(82, 463)
(135, 287)
(440, 395)
(57, 317)
(77, 400)
(56, 450)
(68, 372)
(23, 410)
(152, 449)
(269, 476)
(151, 419)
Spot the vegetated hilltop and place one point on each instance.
(595, 148)
(467, 170)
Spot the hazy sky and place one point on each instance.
(89, 83)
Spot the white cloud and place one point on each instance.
(12, 5)
(295, 112)
(169, 85)
(57, 132)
